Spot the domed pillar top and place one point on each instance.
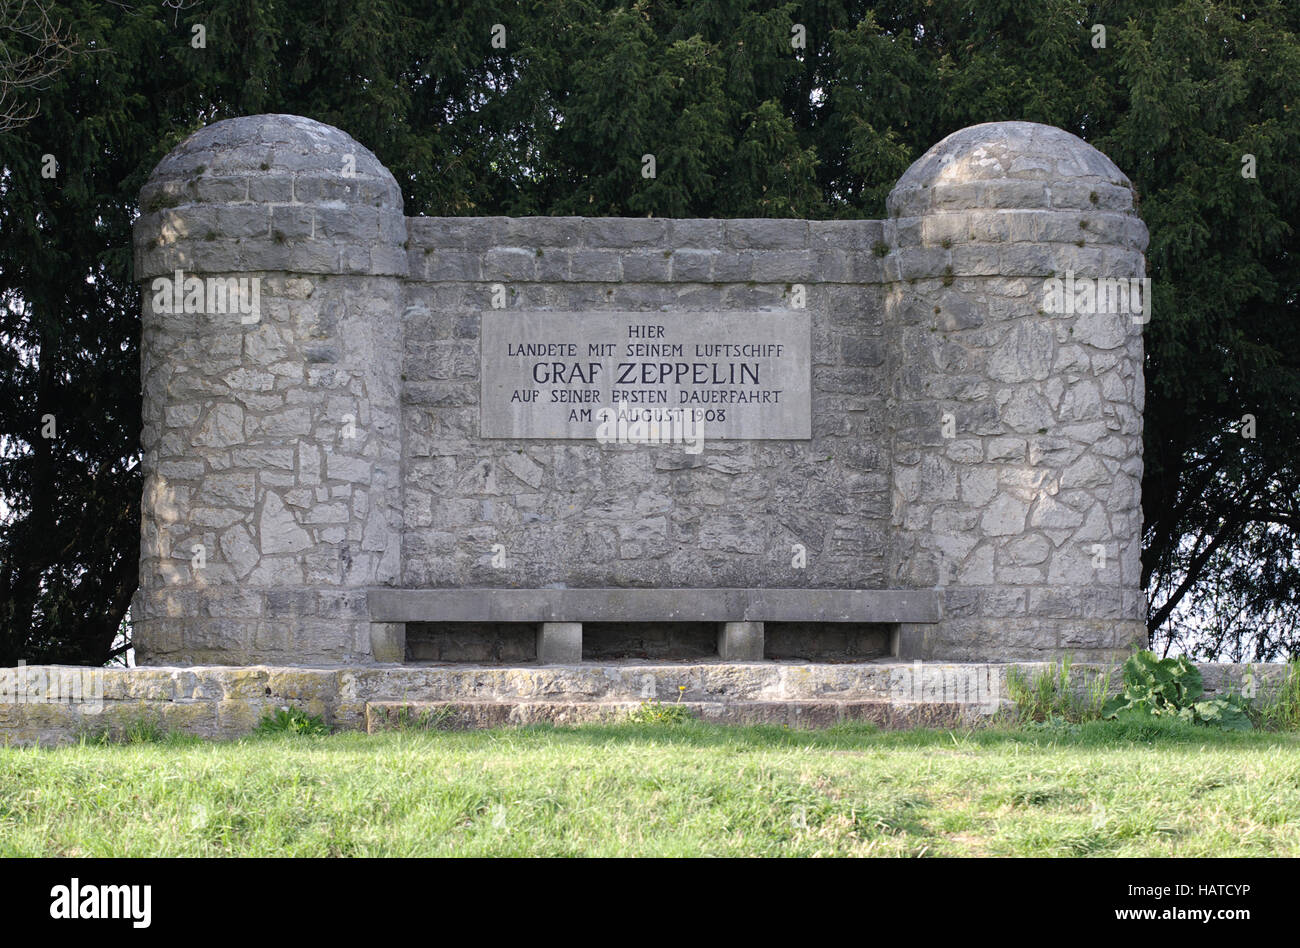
(1011, 165)
(270, 192)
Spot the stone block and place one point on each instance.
(559, 643)
(740, 641)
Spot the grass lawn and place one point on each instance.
(1098, 789)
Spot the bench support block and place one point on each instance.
(907, 641)
(740, 641)
(559, 643)
(388, 642)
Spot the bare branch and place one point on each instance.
(33, 48)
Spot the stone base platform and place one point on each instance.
(48, 705)
(468, 715)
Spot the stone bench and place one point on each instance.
(560, 613)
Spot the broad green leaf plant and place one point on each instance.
(1173, 687)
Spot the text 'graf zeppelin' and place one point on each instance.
(548, 375)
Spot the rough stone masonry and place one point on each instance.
(323, 418)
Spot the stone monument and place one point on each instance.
(372, 438)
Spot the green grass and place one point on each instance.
(1049, 695)
(1282, 710)
(684, 788)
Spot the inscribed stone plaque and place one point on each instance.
(741, 374)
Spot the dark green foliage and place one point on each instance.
(739, 123)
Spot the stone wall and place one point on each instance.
(581, 513)
(228, 701)
(962, 437)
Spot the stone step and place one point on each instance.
(474, 715)
(703, 681)
(52, 704)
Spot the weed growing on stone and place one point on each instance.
(143, 729)
(161, 201)
(407, 718)
(291, 721)
(1282, 711)
(1048, 697)
(656, 712)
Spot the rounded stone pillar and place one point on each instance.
(270, 250)
(1016, 400)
